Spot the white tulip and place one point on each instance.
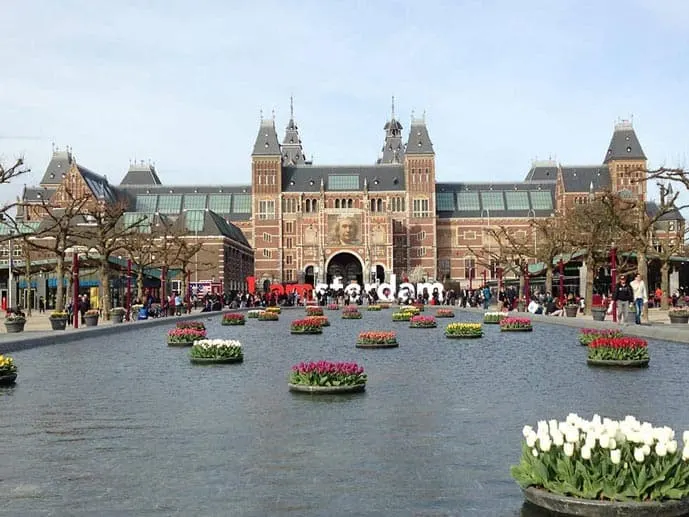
(527, 430)
(534, 451)
(572, 435)
(604, 441)
(531, 439)
(552, 424)
(558, 439)
(545, 444)
(639, 454)
(672, 446)
(646, 449)
(585, 453)
(569, 449)
(685, 437)
(612, 444)
(590, 441)
(615, 456)
(661, 449)
(685, 453)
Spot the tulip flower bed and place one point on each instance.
(384, 305)
(268, 316)
(630, 351)
(323, 319)
(310, 325)
(377, 338)
(402, 316)
(184, 336)
(8, 370)
(374, 307)
(325, 374)
(464, 330)
(210, 351)
(419, 306)
(276, 310)
(234, 318)
(588, 335)
(603, 460)
(333, 307)
(350, 312)
(444, 313)
(314, 311)
(253, 313)
(196, 325)
(422, 322)
(411, 309)
(515, 324)
(493, 318)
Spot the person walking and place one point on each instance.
(640, 296)
(623, 295)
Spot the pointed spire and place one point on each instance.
(266, 143)
(392, 111)
(393, 148)
(419, 141)
(292, 151)
(291, 107)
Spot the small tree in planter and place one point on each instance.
(117, 314)
(58, 320)
(91, 317)
(14, 321)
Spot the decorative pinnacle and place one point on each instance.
(392, 116)
(291, 107)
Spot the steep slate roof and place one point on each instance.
(225, 227)
(292, 151)
(419, 142)
(99, 185)
(542, 171)
(652, 210)
(578, 178)
(495, 200)
(266, 140)
(307, 178)
(624, 145)
(59, 164)
(141, 175)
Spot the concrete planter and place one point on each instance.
(594, 508)
(637, 363)
(598, 313)
(571, 311)
(679, 319)
(15, 327)
(91, 321)
(117, 317)
(327, 390)
(58, 323)
(216, 360)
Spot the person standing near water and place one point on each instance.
(640, 296)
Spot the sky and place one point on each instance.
(183, 83)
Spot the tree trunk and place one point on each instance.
(28, 298)
(549, 278)
(60, 274)
(590, 275)
(104, 279)
(665, 284)
(140, 283)
(642, 267)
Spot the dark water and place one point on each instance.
(125, 425)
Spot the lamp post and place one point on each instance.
(75, 286)
(561, 266)
(129, 289)
(10, 275)
(613, 279)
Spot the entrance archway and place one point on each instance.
(308, 275)
(380, 273)
(347, 266)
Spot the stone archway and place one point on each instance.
(309, 277)
(347, 266)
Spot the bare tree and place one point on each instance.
(141, 248)
(7, 174)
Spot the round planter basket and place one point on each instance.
(571, 311)
(679, 319)
(598, 314)
(378, 345)
(636, 363)
(58, 323)
(327, 390)
(216, 360)
(518, 329)
(14, 327)
(594, 508)
(314, 331)
(91, 321)
(180, 343)
(7, 379)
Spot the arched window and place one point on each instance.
(307, 205)
(379, 205)
(337, 203)
(314, 205)
(373, 205)
(349, 203)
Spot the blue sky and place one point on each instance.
(182, 83)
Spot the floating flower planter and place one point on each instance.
(444, 313)
(588, 335)
(422, 322)
(323, 319)
(253, 313)
(184, 336)
(515, 325)
(196, 325)
(216, 351)
(618, 351)
(8, 370)
(464, 330)
(268, 316)
(604, 467)
(411, 309)
(325, 377)
(384, 305)
(276, 310)
(402, 316)
(310, 325)
(374, 307)
(333, 307)
(314, 311)
(493, 318)
(233, 318)
(377, 339)
(351, 313)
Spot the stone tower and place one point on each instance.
(626, 161)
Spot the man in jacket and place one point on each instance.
(623, 295)
(640, 296)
